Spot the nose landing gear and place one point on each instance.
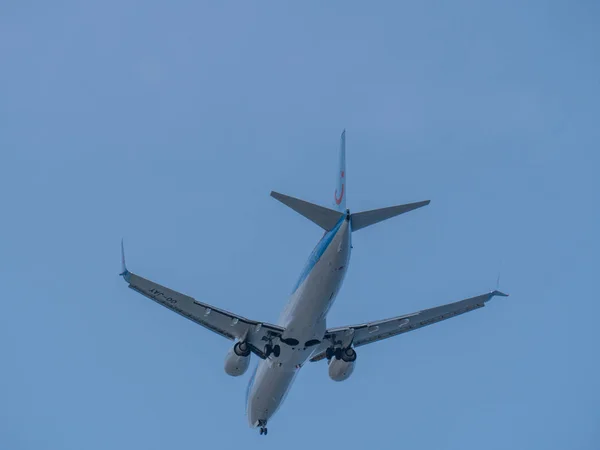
(263, 427)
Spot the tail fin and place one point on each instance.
(340, 189)
(324, 217)
(367, 218)
(328, 218)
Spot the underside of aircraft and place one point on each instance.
(302, 334)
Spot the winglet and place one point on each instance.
(493, 294)
(498, 293)
(124, 272)
(490, 295)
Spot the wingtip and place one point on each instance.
(498, 293)
(276, 195)
(124, 272)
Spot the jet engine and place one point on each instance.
(342, 366)
(237, 359)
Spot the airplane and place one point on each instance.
(301, 334)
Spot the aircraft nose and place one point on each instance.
(256, 411)
(252, 418)
(252, 421)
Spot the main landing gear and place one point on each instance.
(263, 427)
(272, 350)
(345, 354)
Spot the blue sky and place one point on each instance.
(168, 123)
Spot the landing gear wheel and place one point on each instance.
(268, 350)
(263, 427)
(272, 350)
(338, 353)
(348, 355)
(329, 353)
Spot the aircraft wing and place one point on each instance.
(222, 322)
(367, 333)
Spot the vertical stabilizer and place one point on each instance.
(340, 188)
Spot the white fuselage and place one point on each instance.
(304, 320)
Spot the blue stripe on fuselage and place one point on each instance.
(318, 251)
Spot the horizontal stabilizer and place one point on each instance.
(367, 218)
(324, 217)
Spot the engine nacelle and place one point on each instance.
(340, 370)
(237, 359)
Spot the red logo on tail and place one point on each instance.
(339, 200)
